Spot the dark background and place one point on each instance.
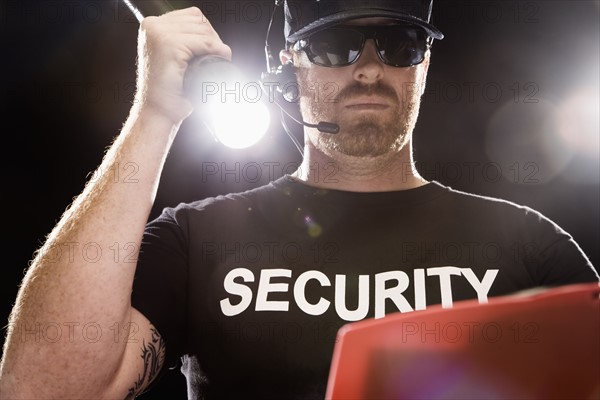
(511, 110)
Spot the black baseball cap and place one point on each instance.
(304, 17)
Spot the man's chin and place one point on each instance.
(366, 139)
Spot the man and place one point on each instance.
(249, 289)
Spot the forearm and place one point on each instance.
(70, 320)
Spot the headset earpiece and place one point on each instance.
(282, 83)
(287, 82)
(283, 88)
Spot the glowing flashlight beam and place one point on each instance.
(239, 125)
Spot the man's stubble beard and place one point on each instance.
(369, 134)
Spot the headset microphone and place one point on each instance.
(326, 127)
(286, 94)
(287, 89)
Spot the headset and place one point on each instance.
(281, 85)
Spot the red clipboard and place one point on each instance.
(542, 344)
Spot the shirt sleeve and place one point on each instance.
(160, 282)
(553, 256)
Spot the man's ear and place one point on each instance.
(285, 56)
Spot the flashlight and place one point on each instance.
(226, 102)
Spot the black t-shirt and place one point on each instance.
(249, 289)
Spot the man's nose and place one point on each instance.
(368, 68)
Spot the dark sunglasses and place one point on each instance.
(340, 46)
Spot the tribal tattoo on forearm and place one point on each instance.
(153, 354)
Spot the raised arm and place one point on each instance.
(72, 332)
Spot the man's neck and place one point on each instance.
(395, 171)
